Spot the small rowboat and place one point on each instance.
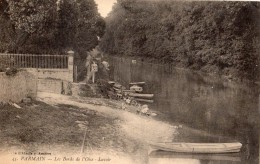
(137, 83)
(198, 147)
(116, 85)
(128, 91)
(117, 90)
(143, 100)
(136, 88)
(234, 157)
(111, 82)
(141, 95)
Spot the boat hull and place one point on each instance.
(140, 95)
(143, 100)
(234, 157)
(137, 83)
(198, 147)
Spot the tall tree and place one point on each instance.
(49, 26)
(7, 30)
(90, 26)
(32, 19)
(67, 23)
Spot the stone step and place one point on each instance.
(54, 86)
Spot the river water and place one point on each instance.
(206, 109)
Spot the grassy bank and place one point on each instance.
(61, 128)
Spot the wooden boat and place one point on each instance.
(144, 100)
(137, 83)
(198, 147)
(234, 157)
(111, 82)
(116, 85)
(136, 88)
(127, 91)
(134, 61)
(141, 95)
(117, 90)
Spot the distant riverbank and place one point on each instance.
(230, 75)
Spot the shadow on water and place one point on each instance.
(210, 109)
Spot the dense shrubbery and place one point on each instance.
(49, 26)
(5, 62)
(216, 37)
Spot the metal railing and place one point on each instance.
(34, 61)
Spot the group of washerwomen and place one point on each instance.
(96, 67)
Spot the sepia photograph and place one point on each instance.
(129, 82)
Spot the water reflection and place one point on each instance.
(209, 108)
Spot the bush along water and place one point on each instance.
(4, 66)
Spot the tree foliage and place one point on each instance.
(32, 16)
(49, 26)
(209, 36)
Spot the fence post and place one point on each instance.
(76, 74)
(70, 64)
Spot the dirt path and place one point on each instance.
(135, 130)
(58, 125)
(136, 126)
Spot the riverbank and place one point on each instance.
(210, 71)
(56, 124)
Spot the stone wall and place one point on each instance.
(54, 80)
(61, 74)
(50, 85)
(17, 87)
(54, 86)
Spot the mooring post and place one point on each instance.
(70, 65)
(94, 69)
